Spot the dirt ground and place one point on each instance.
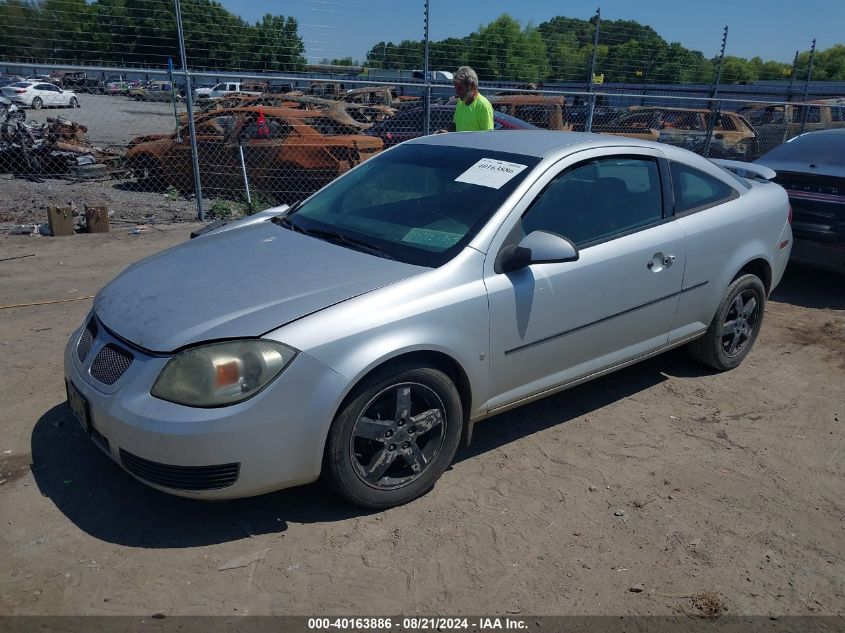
(706, 491)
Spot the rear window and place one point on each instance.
(694, 189)
(20, 84)
(827, 149)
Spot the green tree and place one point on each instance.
(503, 50)
(737, 69)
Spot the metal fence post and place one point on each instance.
(189, 99)
(805, 107)
(591, 106)
(715, 104)
(427, 125)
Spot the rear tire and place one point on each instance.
(395, 436)
(74, 102)
(734, 327)
(37, 103)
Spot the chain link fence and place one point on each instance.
(98, 94)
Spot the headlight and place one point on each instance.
(221, 373)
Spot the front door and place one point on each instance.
(555, 323)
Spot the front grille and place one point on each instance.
(86, 340)
(181, 477)
(111, 363)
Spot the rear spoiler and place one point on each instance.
(746, 170)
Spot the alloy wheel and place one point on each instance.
(397, 437)
(740, 322)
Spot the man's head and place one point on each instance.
(466, 84)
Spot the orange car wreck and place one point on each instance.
(287, 152)
(542, 111)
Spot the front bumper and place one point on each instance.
(276, 438)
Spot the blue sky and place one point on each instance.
(772, 29)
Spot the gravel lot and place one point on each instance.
(705, 490)
(114, 120)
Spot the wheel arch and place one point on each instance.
(420, 358)
(759, 267)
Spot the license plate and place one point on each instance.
(79, 406)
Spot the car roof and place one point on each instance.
(291, 114)
(536, 143)
(524, 99)
(833, 132)
(650, 108)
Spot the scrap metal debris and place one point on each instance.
(57, 148)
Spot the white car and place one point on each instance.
(37, 95)
(222, 89)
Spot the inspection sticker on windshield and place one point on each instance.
(489, 172)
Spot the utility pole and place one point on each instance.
(715, 105)
(805, 107)
(189, 99)
(427, 77)
(592, 105)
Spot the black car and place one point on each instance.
(409, 124)
(811, 167)
(79, 81)
(5, 80)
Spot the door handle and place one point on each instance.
(668, 260)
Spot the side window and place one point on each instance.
(814, 114)
(216, 129)
(681, 120)
(539, 115)
(598, 199)
(694, 188)
(836, 114)
(727, 123)
(271, 128)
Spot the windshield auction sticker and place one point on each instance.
(489, 172)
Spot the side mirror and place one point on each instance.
(539, 247)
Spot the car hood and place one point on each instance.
(802, 167)
(236, 284)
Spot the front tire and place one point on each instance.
(74, 102)
(395, 436)
(734, 327)
(37, 103)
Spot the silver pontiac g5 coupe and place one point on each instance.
(360, 334)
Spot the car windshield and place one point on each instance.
(827, 149)
(419, 204)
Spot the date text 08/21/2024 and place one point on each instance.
(416, 623)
